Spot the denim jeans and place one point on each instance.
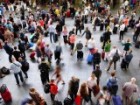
(52, 37)
(18, 75)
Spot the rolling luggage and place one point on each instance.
(117, 100)
(47, 88)
(90, 59)
(5, 94)
(79, 55)
(123, 64)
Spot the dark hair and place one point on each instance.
(15, 47)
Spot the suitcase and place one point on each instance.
(123, 64)
(46, 88)
(117, 100)
(115, 30)
(90, 59)
(5, 94)
(80, 55)
(103, 55)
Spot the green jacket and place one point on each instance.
(107, 47)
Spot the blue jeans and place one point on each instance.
(52, 37)
(18, 75)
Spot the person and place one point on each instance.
(129, 89)
(52, 32)
(97, 73)
(112, 84)
(77, 24)
(58, 28)
(84, 93)
(22, 48)
(58, 75)
(16, 53)
(73, 87)
(127, 46)
(106, 37)
(37, 98)
(91, 82)
(91, 44)
(57, 53)
(114, 56)
(65, 33)
(122, 30)
(24, 67)
(53, 89)
(88, 34)
(16, 68)
(44, 71)
(72, 40)
(8, 49)
(48, 52)
(79, 47)
(96, 59)
(128, 57)
(107, 49)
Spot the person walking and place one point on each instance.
(79, 47)
(114, 56)
(73, 87)
(107, 49)
(65, 33)
(16, 68)
(129, 89)
(97, 73)
(96, 59)
(44, 71)
(57, 53)
(122, 31)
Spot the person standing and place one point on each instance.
(16, 68)
(44, 71)
(114, 56)
(129, 89)
(97, 73)
(96, 59)
(8, 50)
(122, 30)
(65, 33)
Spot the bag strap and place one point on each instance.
(16, 65)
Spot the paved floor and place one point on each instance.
(71, 68)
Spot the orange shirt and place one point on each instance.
(126, 22)
(41, 22)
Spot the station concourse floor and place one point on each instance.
(71, 68)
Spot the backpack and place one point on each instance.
(47, 88)
(116, 56)
(68, 101)
(5, 70)
(111, 82)
(79, 46)
(25, 66)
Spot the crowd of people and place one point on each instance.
(23, 29)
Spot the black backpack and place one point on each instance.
(5, 70)
(25, 66)
(47, 88)
(116, 56)
(68, 101)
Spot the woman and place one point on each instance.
(65, 33)
(107, 49)
(37, 98)
(57, 73)
(72, 40)
(84, 92)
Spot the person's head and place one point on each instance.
(128, 40)
(83, 89)
(92, 75)
(133, 80)
(15, 47)
(105, 88)
(113, 73)
(32, 90)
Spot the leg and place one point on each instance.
(16, 77)
(114, 65)
(110, 63)
(51, 37)
(21, 77)
(26, 75)
(52, 97)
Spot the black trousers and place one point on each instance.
(17, 75)
(121, 35)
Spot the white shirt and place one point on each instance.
(51, 29)
(112, 53)
(91, 44)
(91, 82)
(16, 67)
(122, 27)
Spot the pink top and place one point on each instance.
(65, 32)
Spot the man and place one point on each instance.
(16, 68)
(122, 30)
(79, 47)
(97, 73)
(114, 56)
(16, 53)
(52, 32)
(22, 48)
(106, 37)
(44, 71)
(96, 58)
(57, 53)
(8, 50)
(129, 89)
(58, 28)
